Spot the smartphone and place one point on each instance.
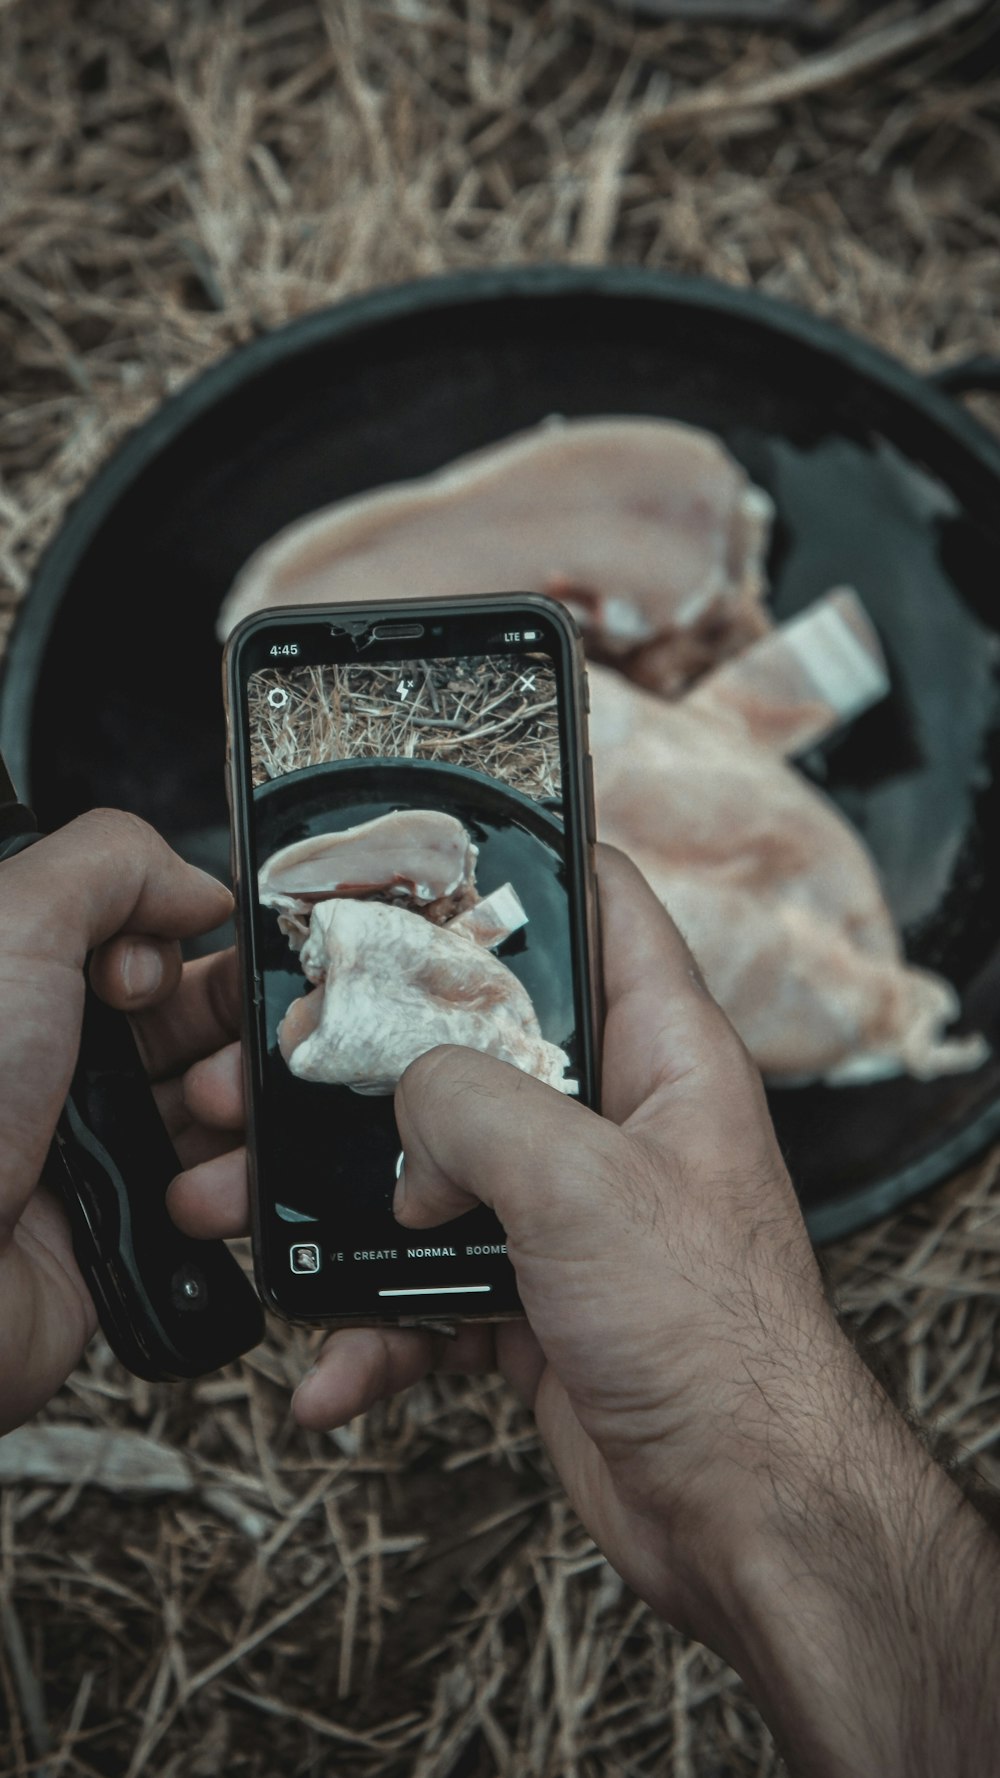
(413, 832)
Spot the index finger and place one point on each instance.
(640, 941)
(661, 1023)
(106, 872)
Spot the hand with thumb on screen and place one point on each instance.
(715, 1429)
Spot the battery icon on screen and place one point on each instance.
(532, 635)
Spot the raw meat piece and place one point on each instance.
(656, 540)
(420, 857)
(394, 985)
(647, 528)
(673, 781)
(774, 892)
(810, 676)
(493, 919)
(808, 1003)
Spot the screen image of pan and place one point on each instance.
(390, 928)
(410, 891)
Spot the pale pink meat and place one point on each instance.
(655, 539)
(420, 857)
(648, 529)
(673, 781)
(391, 986)
(774, 892)
(808, 1003)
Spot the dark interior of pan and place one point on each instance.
(112, 685)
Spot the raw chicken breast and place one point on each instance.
(655, 539)
(649, 530)
(394, 986)
(418, 856)
(773, 890)
(674, 782)
(809, 1003)
(810, 676)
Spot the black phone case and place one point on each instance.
(579, 792)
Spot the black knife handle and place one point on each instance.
(170, 1306)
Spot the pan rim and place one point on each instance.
(370, 311)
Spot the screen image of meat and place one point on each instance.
(656, 539)
(398, 945)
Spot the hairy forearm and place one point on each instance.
(862, 1606)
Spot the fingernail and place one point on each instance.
(142, 968)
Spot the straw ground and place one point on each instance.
(488, 714)
(411, 1596)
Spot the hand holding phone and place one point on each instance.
(646, 1292)
(713, 1426)
(108, 886)
(413, 831)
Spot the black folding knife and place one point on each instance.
(169, 1306)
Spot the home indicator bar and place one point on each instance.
(439, 1290)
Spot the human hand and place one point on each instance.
(715, 1429)
(673, 1303)
(106, 883)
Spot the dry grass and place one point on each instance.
(477, 714)
(411, 1596)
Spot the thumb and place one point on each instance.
(477, 1130)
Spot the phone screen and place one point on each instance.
(412, 872)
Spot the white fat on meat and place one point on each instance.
(648, 529)
(421, 858)
(774, 892)
(811, 676)
(496, 917)
(391, 986)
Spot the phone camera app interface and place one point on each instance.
(411, 891)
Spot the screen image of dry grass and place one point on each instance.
(189, 1583)
(490, 713)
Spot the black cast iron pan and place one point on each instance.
(111, 688)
